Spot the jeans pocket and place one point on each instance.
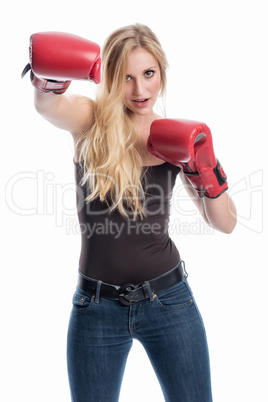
(82, 302)
(178, 296)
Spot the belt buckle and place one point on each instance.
(122, 295)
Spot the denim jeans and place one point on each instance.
(170, 328)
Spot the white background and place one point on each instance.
(217, 51)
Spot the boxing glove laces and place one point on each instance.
(188, 144)
(57, 58)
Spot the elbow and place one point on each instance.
(232, 226)
(225, 226)
(228, 227)
(232, 221)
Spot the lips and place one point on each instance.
(141, 102)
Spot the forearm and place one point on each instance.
(57, 58)
(46, 103)
(220, 212)
(57, 109)
(68, 112)
(189, 145)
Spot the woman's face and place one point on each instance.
(143, 82)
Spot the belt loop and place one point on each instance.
(149, 290)
(184, 270)
(97, 297)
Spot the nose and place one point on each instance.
(138, 87)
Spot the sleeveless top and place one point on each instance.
(117, 250)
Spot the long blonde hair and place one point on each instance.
(109, 150)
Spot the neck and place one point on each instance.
(144, 122)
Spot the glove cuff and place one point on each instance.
(210, 182)
(45, 85)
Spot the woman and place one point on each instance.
(132, 283)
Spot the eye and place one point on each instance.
(149, 73)
(128, 78)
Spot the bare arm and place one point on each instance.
(219, 213)
(67, 112)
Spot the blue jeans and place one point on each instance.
(170, 328)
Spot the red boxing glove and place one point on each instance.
(188, 144)
(56, 58)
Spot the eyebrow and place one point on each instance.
(147, 69)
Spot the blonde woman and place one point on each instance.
(131, 281)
